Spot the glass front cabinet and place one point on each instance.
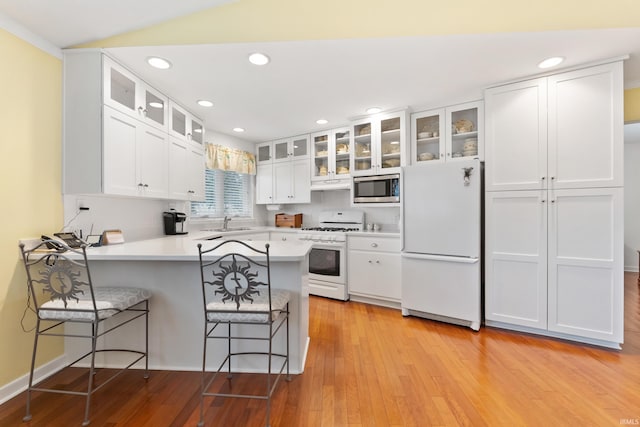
(447, 134)
(128, 94)
(331, 156)
(290, 149)
(379, 144)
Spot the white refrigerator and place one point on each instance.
(441, 242)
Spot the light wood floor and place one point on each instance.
(369, 366)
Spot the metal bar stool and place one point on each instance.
(61, 291)
(236, 290)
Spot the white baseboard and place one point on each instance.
(20, 384)
(631, 268)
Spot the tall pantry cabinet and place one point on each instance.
(554, 205)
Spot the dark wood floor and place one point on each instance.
(369, 366)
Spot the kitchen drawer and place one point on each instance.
(283, 235)
(377, 244)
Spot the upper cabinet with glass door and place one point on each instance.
(466, 125)
(447, 134)
(126, 93)
(291, 149)
(264, 153)
(331, 162)
(184, 125)
(379, 144)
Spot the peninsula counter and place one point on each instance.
(169, 268)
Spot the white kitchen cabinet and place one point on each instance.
(561, 131)
(554, 261)
(554, 231)
(586, 235)
(448, 134)
(286, 177)
(516, 258)
(264, 153)
(331, 158)
(291, 182)
(251, 237)
(125, 92)
(184, 125)
(374, 269)
(264, 184)
(116, 135)
(290, 149)
(135, 157)
(283, 236)
(379, 144)
(186, 171)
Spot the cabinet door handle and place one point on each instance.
(553, 178)
(146, 185)
(374, 245)
(543, 178)
(369, 261)
(553, 201)
(189, 136)
(543, 200)
(377, 261)
(140, 184)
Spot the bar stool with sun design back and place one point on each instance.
(61, 293)
(240, 304)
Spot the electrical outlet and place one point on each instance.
(81, 206)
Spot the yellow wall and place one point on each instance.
(277, 20)
(632, 105)
(30, 161)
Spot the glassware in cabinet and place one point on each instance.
(342, 152)
(390, 136)
(363, 155)
(465, 126)
(428, 136)
(320, 155)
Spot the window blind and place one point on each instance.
(226, 193)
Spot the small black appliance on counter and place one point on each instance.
(174, 222)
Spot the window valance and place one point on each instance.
(230, 159)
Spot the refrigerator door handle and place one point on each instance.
(431, 257)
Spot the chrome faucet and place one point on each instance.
(226, 222)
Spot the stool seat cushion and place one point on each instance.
(109, 301)
(250, 312)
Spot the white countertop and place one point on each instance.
(185, 248)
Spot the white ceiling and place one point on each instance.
(70, 22)
(332, 79)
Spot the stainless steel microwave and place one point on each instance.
(376, 189)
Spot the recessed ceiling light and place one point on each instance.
(322, 121)
(205, 103)
(259, 58)
(551, 62)
(156, 104)
(158, 62)
(238, 129)
(374, 110)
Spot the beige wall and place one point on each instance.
(30, 161)
(278, 20)
(632, 105)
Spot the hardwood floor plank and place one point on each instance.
(369, 366)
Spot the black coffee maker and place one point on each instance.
(174, 222)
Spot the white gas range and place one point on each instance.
(328, 256)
